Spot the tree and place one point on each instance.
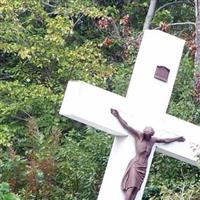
(150, 14)
(197, 55)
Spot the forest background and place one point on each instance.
(45, 43)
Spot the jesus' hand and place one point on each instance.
(181, 139)
(114, 112)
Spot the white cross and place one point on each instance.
(145, 105)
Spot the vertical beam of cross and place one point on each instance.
(147, 97)
(157, 49)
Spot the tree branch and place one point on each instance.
(182, 23)
(197, 39)
(179, 24)
(116, 30)
(19, 118)
(47, 4)
(5, 77)
(76, 22)
(172, 3)
(150, 14)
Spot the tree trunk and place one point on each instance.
(150, 14)
(197, 55)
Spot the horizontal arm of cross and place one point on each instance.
(186, 151)
(91, 105)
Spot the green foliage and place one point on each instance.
(137, 11)
(39, 42)
(182, 103)
(20, 101)
(174, 13)
(81, 164)
(42, 45)
(120, 81)
(48, 170)
(164, 15)
(185, 192)
(4, 135)
(169, 176)
(5, 193)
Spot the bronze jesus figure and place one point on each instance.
(136, 169)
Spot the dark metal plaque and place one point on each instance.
(162, 73)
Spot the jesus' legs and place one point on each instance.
(131, 193)
(134, 193)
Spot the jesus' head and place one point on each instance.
(148, 132)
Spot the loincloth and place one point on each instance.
(134, 175)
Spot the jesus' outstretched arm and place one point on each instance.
(169, 140)
(125, 125)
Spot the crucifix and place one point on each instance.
(145, 104)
